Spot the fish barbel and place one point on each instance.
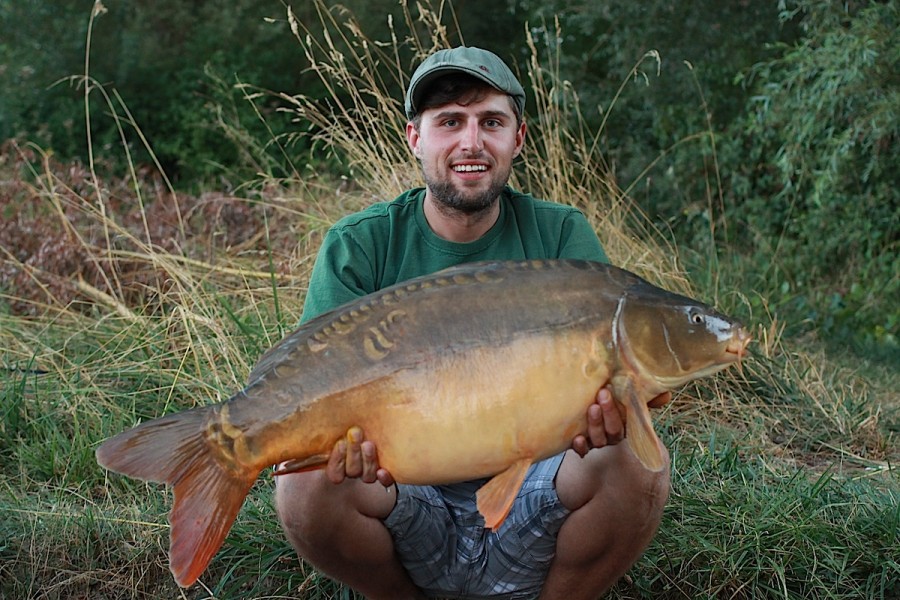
(475, 371)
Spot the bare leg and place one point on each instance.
(617, 507)
(337, 528)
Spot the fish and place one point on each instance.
(476, 371)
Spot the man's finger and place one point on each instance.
(613, 423)
(580, 445)
(369, 462)
(596, 437)
(335, 468)
(384, 478)
(354, 462)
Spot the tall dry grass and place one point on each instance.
(121, 300)
(363, 121)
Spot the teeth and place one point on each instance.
(469, 168)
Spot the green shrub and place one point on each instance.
(814, 180)
(173, 64)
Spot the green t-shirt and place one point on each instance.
(390, 242)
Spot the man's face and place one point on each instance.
(467, 151)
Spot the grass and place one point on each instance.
(784, 484)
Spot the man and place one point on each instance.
(582, 518)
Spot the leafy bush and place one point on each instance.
(813, 170)
(698, 46)
(166, 61)
(751, 514)
(774, 135)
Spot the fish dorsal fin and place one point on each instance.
(639, 431)
(495, 498)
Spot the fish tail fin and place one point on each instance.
(640, 434)
(495, 498)
(208, 494)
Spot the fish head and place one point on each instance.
(668, 339)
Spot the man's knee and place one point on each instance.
(614, 475)
(335, 528)
(621, 508)
(644, 492)
(297, 500)
(656, 483)
(316, 513)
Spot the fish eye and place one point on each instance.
(696, 317)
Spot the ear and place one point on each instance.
(520, 139)
(413, 138)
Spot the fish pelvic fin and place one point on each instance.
(495, 498)
(208, 494)
(639, 432)
(302, 465)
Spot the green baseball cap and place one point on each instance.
(479, 63)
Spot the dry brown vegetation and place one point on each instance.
(69, 238)
(125, 300)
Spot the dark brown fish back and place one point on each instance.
(524, 284)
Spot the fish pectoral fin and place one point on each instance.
(639, 432)
(495, 498)
(299, 465)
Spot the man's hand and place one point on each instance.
(606, 421)
(354, 457)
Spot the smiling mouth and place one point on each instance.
(469, 168)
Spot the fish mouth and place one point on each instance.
(737, 347)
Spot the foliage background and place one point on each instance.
(756, 144)
(767, 128)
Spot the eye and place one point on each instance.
(696, 317)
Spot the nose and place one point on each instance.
(471, 137)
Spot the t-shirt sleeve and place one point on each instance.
(342, 272)
(578, 240)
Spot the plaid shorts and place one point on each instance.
(441, 540)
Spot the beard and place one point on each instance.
(448, 196)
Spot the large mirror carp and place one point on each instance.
(476, 371)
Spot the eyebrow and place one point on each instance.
(444, 114)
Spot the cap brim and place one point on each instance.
(414, 95)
